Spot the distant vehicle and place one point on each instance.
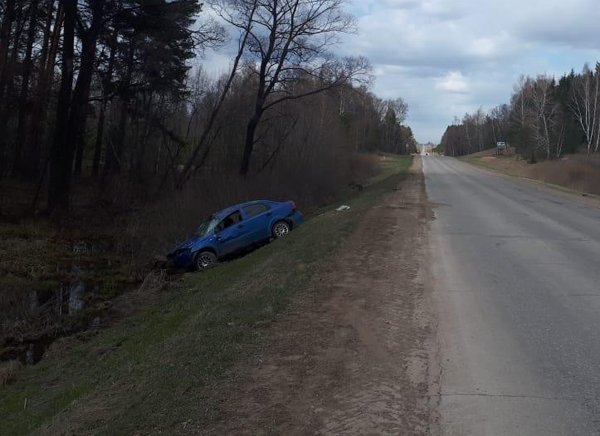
(235, 229)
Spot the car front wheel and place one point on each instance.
(205, 260)
(281, 228)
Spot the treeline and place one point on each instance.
(394, 136)
(545, 119)
(114, 90)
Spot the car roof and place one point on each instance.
(223, 213)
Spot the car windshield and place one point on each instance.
(207, 226)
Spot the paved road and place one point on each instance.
(516, 279)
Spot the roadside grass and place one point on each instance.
(577, 172)
(155, 372)
(390, 165)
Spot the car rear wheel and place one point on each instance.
(205, 260)
(281, 228)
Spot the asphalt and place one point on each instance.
(515, 275)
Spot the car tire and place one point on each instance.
(204, 260)
(280, 229)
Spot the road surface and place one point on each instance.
(516, 284)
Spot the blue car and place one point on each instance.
(235, 229)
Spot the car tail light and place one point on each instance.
(293, 205)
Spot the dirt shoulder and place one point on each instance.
(354, 357)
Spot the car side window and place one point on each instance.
(256, 209)
(230, 220)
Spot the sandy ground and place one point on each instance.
(353, 359)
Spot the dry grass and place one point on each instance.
(579, 172)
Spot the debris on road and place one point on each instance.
(342, 208)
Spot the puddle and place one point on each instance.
(28, 352)
(70, 299)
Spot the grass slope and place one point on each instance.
(155, 371)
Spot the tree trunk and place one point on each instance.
(80, 147)
(120, 136)
(249, 144)
(532, 158)
(7, 21)
(6, 87)
(99, 136)
(19, 165)
(101, 119)
(146, 132)
(61, 154)
(81, 94)
(46, 76)
(113, 160)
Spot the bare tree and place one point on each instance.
(560, 139)
(61, 155)
(499, 118)
(248, 9)
(467, 121)
(479, 120)
(395, 113)
(521, 116)
(399, 107)
(584, 104)
(545, 111)
(289, 40)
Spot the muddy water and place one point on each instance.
(53, 313)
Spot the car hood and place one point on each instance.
(193, 241)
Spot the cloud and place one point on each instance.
(454, 81)
(447, 57)
(402, 4)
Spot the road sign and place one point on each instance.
(501, 144)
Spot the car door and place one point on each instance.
(258, 216)
(231, 233)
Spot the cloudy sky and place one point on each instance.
(449, 57)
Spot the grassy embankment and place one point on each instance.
(577, 172)
(156, 370)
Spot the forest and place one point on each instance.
(545, 119)
(107, 104)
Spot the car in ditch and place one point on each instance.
(233, 230)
